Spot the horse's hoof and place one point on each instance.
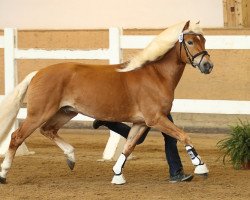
(201, 169)
(2, 180)
(71, 164)
(118, 180)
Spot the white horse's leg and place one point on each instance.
(17, 138)
(118, 178)
(200, 166)
(134, 135)
(5, 166)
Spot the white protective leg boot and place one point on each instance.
(118, 178)
(200, 166)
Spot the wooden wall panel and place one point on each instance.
(236, 13)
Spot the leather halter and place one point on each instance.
(188, 53)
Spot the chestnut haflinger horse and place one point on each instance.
(140, 91)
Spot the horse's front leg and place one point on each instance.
(163, 124)
(134, 135)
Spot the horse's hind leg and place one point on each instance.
(17, 138)
(51, 127)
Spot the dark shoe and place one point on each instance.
(181, 177)
(97, 123)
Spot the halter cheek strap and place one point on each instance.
(188, 53)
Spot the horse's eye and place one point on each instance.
(190, 42)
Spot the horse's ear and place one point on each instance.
(186, 25)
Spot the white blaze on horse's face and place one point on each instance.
(195, 52)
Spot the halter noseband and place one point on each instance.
(188, 53)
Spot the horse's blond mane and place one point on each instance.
(160, 45)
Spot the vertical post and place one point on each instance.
(114, 45)
(10, 74)
(115, 142)
(9, 59)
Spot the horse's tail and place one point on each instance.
(11, 104)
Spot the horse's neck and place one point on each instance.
(170, 67)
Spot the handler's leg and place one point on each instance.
(134, 135)
(172, 154)
(166, 126)
(120, 128)
(174, 161)
(175, 166)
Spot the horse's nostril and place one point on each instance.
(207, 65)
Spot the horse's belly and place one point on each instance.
(109, 110)
(106, 111)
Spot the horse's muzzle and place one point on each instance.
(206, 67)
